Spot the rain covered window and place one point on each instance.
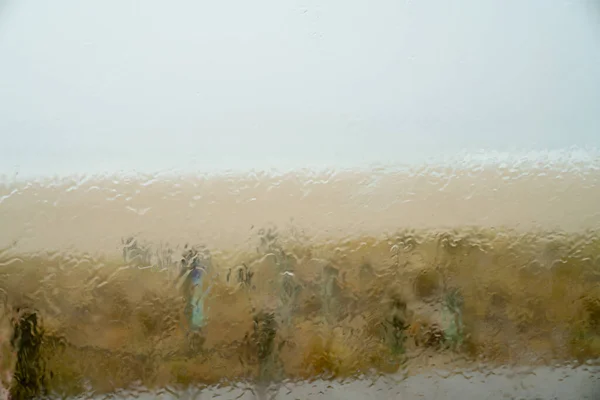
(299, 200)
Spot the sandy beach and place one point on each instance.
(93, 215)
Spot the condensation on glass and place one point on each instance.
(305, 285)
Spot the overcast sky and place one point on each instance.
(107, 85)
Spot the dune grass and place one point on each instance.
(299, 309)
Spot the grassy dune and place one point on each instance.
(412, 301)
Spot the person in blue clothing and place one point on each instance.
(194, 267)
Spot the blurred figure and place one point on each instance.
(194, 267)
(330, 293)
(28, 379)
(135, 253)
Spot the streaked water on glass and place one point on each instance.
(299, 200)
(263, 280)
